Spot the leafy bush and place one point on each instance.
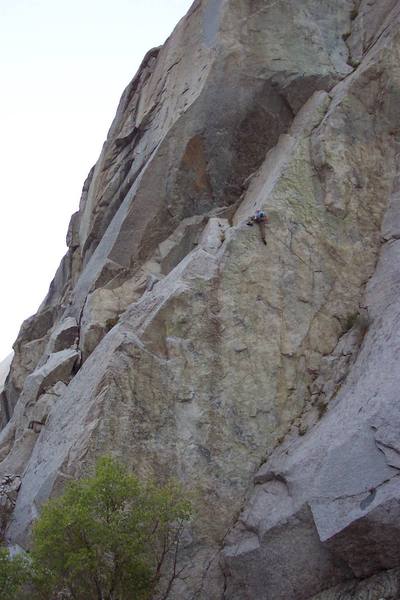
(109, 537)
(14, 573)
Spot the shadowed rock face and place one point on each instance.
(4, 371)
(263, 377)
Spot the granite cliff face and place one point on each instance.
(264, 377)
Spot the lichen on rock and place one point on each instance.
(263, 377)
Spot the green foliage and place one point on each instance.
(14, 573)
(109, 537)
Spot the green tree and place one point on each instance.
(14, 573)
(109, 537)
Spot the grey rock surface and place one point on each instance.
(5, 365)
(5, 369)
(384, 586)
(263, 377)
(344, 470)
(9, 488)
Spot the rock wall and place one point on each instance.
(263, 377)
(4, 371)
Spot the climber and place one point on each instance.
(261, 219)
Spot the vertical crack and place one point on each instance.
(351, 61)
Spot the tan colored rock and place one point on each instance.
(206, 353)
(30, 345)
(65, 335)
(337, 503)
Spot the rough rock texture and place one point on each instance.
(384, 586)
(263, 377)
(9, 488)
(4, 371)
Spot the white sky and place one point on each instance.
(63, 67)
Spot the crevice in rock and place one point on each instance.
(224, 575)
(246, 151)
(80, 359)
(197, 593)
(375, 41)
(353, 63)
(359, 493)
